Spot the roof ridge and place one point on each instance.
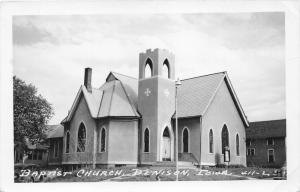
(111, 98)
(204, 75)
(129, 100)
(124, 75)
(268, 120)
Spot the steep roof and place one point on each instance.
(130, 84)
(266, 129)
(118, 96)
(196, 94)
(55, 131)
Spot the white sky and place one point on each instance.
(51, 52)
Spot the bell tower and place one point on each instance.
(156, 103)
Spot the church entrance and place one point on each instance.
(166, 146)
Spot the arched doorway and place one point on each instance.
(185, 140)
(166, 145)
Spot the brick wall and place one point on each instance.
(260, 158)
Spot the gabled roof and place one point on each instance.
(130, 84)
(196, 94)
(118, 96)
(115, 98)
(55, 131)
(266, 129)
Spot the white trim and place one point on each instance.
(75, 102)
(226, 78)
(100, 140)
(82, 90)
(188, 139)
(213, 145)
(148, 141)
(269, 154)
(76, 136)
(238, 102)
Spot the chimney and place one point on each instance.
(88, 79)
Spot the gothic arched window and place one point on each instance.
(68, 142)
(102, 140)
(185, 140)
(166, 69)
(81, 138)
(237, 142)
(146, 140)
(148, 68)
(211, 141)
(225, 138)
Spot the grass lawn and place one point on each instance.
(165, 174)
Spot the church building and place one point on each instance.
(130, 121)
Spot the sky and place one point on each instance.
(51, 52)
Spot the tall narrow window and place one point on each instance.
(237, 142)
(248, 142)
(103, 138)
(225, 138)
(146, 140)
(148, 68)
(68, 142)
(271, 156)
(185, 140)
(57, 148)
(166, 69)
(211, 141)
(81, 139)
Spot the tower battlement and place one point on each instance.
(156, 102)
(148, 51)
(156, 59)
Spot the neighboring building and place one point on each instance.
(35, 154)
(49, 153)
(266, 143)
(129, 121)
(55, 140)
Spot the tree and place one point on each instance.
(31, 113)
